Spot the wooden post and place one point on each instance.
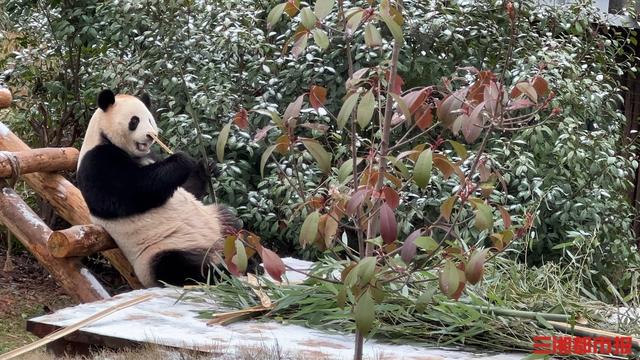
(79, 240)
(43, 160)
(32, 232)
(67, 200)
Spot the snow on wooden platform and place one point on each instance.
(163, 320)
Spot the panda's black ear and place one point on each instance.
(106, 98)
(146, 100)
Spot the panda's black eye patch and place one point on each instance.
(133, 123)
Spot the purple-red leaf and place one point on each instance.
(391, 197)
(262, 133)
(242, 119)
(408, 250)
(272, 263)
(475, 266)
(388, 224)
(521, 103)
(356, 200)
(293, 110)
(317, 96)
(472, 128)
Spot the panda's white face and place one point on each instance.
(129, 125)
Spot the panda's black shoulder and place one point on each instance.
(106, 158)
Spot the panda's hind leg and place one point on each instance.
(179, 267)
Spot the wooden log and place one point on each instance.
(45, 160)
(79, 240)
(67, 200)
(32, 232)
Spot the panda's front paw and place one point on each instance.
(184, 159)
(212, 167)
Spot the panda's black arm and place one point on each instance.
(162, 178)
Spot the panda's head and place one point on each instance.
(123, 120)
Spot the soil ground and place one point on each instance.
(26, 291)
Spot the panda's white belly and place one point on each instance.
(183, 223)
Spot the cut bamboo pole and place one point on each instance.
(79, 240)
(585, 331)
(37, 160)
(67, 200)
(32, 232)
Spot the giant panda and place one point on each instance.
(147, 205)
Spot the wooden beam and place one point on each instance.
(79, 240)
(67, 200)
(32, 232)
(45, 160)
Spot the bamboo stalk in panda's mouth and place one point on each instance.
(162, 145)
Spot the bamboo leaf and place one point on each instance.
(346, 109)
(372, 37)
(265, 157)
(422, 169)
(448, 279)
(354, 21)
(365, 313)
(323, 8)
(366, 269)
(366, 108)
(321, 38)
(222, 141)
(241, 256)
(395, 29)
(459, 149)
(426, 243)
(309, 229)
(307, 18)
(484, 217)
(319, 153)
(275, 14)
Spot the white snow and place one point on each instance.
(164, 321)
(4, 130)
(94, 283)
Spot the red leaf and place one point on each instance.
(388, 225)
(506, 218)
(293, 110)
(292, 7)
(522, 103)
(242, 119)
(391, 197)
(415, 99)
(540, 85)
(408, 250)
(262, 133)
(476, 92)
(272, 263)
(473, 127)
(317, 96)
(356, 200)
(397, 84)
(424, 118)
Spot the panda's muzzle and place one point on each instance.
(145, 146)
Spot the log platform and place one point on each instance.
(62, 257)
